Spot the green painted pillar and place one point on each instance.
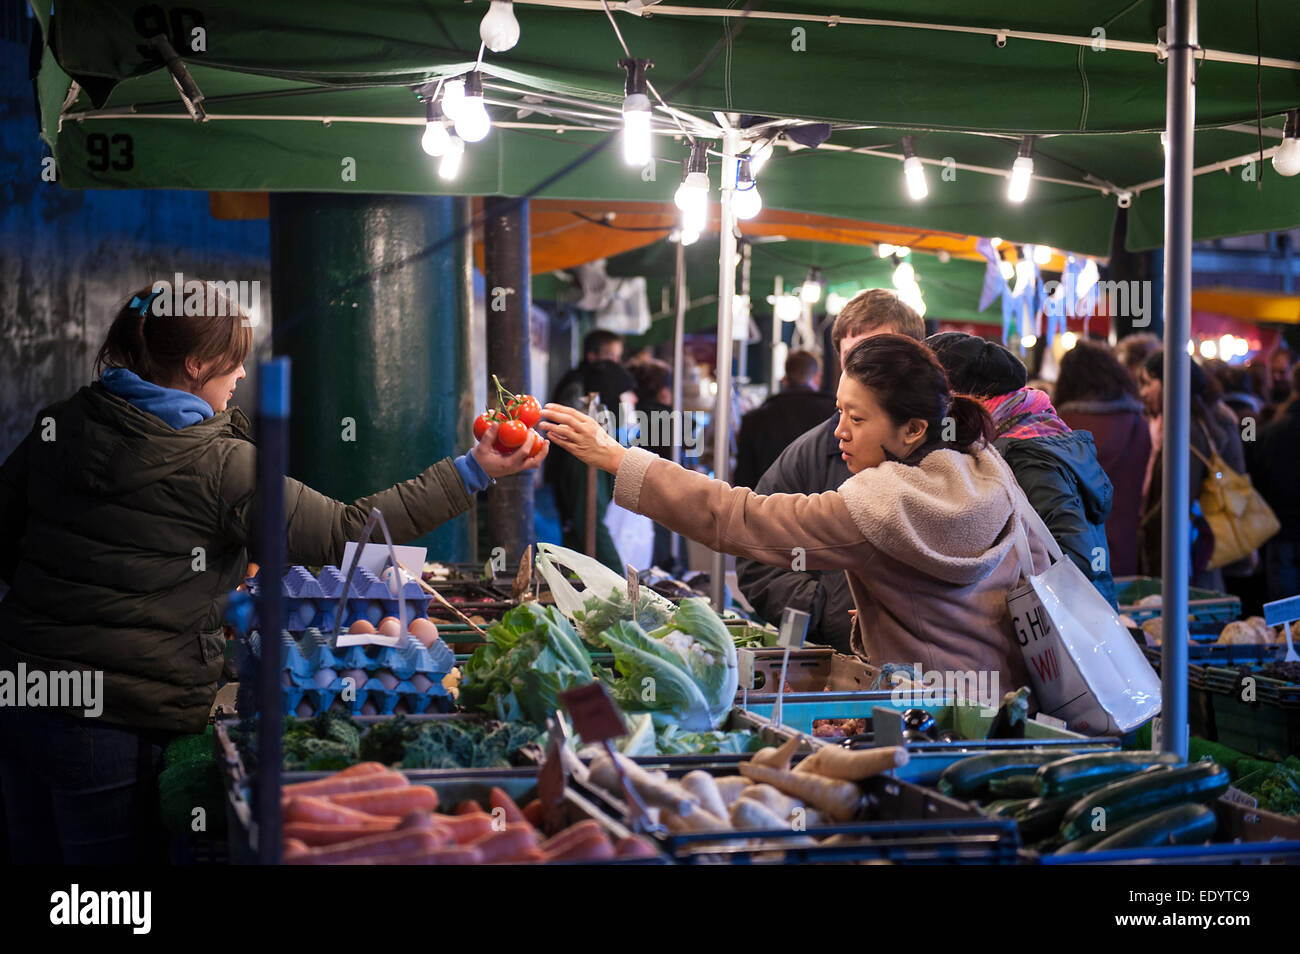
(372, 298)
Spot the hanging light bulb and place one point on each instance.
(1286, 161)
(1022, 170)
(904, 276)
(449, 164)
(913, 171)
(1209, 349)
(435, 139)
(885, 250)
(811, 289)
(1069, 340)
(472, 120)
(759, 155)
(687, 237)
(788, 307)
(499, 30)
(746, 202)
(1029, 340)
(637, 150)
(835, 304)
(1042, 254)
(692, 195)
(902, 251)
(453, 97)
(995, 241)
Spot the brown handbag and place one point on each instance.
(1239, 517)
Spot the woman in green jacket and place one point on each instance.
(125, 520)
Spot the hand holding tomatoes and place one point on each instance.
(507, 442)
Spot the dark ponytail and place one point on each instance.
(909, 382)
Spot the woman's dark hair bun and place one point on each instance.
(972, 420)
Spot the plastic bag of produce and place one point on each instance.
(1084, 665)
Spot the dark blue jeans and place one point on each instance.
(78, 791)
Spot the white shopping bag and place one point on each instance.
(633, 535)
(1085, 667)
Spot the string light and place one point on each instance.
(692, 195)
(1022, 170)
(759, 155)
(472, 120)
(913, 171)
(746, 203)
(1029, 341)
(1068, 340)
(1042, 255)
(499, 30)
(1209, 349)
(449, 164)
(453, 97)
(637, 150)
(1286, 161)
(435, 139)
(885, 250)
(811, 289)
(787, 307)
(835, 304)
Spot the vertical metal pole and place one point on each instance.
(778, 365)
(272, 457)
(679, 362)
(508, 296)
(742, 358)
(726, 299)
(1181, 109)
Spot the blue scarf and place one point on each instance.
(176, 408)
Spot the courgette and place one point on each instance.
(1184, 824)
(971, 776)
(1080, 844)
(1015, 786)
(1041, 817)
(1007, 806)
(1144, 793)
(1079, 773)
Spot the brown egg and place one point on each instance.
(304, 710)
(390, 626)
(361, 626)
(386, 678)
(424, 631)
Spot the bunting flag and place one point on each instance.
(994, 283)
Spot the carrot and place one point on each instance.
(468, 807)
(347, 784)
(508, 845)
(315, 835)
(574, 833)
(497, 798)
(390, 801)
(634, 846)
(292, 846)
(588, 849)
(322, 811)
(853, 765)
(383, 845)
(466, 828)
(838, 799)
(534, 814)
(360, 769)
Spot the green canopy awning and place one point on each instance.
(319, 97)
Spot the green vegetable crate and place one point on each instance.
(1201, 604)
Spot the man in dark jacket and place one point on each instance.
(770, 428)
(1056, 467)
(1274, 463)
(810, 465)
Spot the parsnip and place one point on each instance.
(669, 795)
(777, 802)
(838, 799)
(730, 787)
(697, 820)
(702, 786)
(749, 813)
(778, 758)
(853, 765)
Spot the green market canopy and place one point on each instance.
(322, 97)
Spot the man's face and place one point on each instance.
(610, 352)
(848, 342)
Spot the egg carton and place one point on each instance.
(372, 699)
(312, 601)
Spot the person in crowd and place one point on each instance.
(1279, 367)
(1096, 394)
(1133, 349)
(1208, 432)
(813, 464)
(103, 508)
(1239, 392)
(1274, 464)
(924, 528)
(654, 395)
(1056, 467)
(599, 373)
(770, 428)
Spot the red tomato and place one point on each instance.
(537, 444)
(483, 422)
(526, 409)
(512, 434)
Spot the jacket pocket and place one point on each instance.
(212, 646)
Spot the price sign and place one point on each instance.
(794, 628)
(1238, 797)
(594, 714)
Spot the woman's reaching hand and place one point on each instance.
(496, 464)
(582, 437)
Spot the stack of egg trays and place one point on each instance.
(313, 601)
(419, 672)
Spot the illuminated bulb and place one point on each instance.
(745, 202)
(914, 174)
(472, 120)
(1209, 349)
(902, 251)
(1286, 161)
(1227, 347)
(453, 97)
(1029, 341)
(904, 276)
(995, 241)
(1069, 340)
(636, 130)
(811, 292)
(788, 308)
(449, 164)
(758, 157)
(693, 199)
(435, 139)
(1021, 172)
(835, 304)
(1042, 255)
(885, 250)
(687, 237)
(1008, 270)
(499, 30)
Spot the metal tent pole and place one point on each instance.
(726, 296)
(679, 361)
(1181, 109)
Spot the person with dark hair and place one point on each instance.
(1239, 391)
(654, 394)
(1208, 432)
(1279, 368)
(1096, 394)
(925, 528)
(105, 508)
(1132, 351)
(1274, 463)
(770, 428)
(1056, 467)
(813, 464)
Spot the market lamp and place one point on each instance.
(436, 138)
(746, 203)
(1286, 161)
(499, 30)
(449, 164)
(692, 195)
(453, 97)
(758, 155)
(811, 289)
(913, 171)
(1022, 170)
(472, 120)
(637, 149)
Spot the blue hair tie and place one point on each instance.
(143, 304)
